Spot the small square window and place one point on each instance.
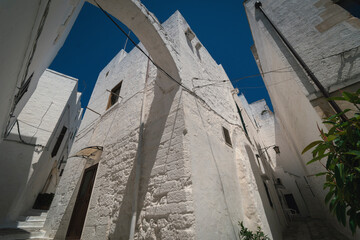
(114, 95)
(227, 136)
(58, 142)
(23, 89)
(190, 34)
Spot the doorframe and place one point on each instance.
(76, 201)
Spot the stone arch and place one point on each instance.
(149, 31)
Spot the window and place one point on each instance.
(61, 161)
(61, 172)
(23, 89)
(58, 142)
(114, 95)
(241, 118)
(291, 203)
(198, 46)
(268, 194)
(352, 6)
(227, 136)
(190, 34)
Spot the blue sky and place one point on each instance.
(221, 26)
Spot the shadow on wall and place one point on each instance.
(76, 177)
(347, 63)
(158, 115)
(15, 166)
(265, 195)
(297, 69)
(41, 170)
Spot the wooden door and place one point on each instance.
(82, 202)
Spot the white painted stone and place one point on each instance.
(21, 48)
(25, 169)
(190, 182)
(299, 106)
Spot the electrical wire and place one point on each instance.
(22, 140)
(249, 76)
(141, 50)
(32, 53)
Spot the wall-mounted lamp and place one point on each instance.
(276, 149)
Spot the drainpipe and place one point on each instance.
(325, 93)
(138, 161)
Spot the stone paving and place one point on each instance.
(312, 229)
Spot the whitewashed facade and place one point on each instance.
(34, 154)
(326, 37)
(32, 32)
(165, 162)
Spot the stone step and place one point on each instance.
(23, 224)
(32, 218)
(19, 234)
(30, 224)
(36, 212)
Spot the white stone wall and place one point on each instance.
(28, 46)
(329, 46)
(27, 166)
(192, 184)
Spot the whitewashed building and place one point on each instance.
(156, 160)
(306, 51)
(34, 154)
(32, 32)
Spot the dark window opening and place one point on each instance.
(190, 34)
(61, 173)
(23, 89)
(268, 194)
(291, 203)
(241, 118)
(107, 73)
(227, 136)
(58, 142)
(61, 161)
(352, 6)
(114, 95)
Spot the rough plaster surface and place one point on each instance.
(332, 53)
(192, 184)
(27, 167)
(329, 46)
(19, 41)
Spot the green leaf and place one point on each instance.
(330, 122)
(329, 196)
(331, 138)
(339, 174)
(354, 152)
(329, 184)
(336, 98)
(319, 150)
(311, 145)
(352, 224)
(320, 174)
(339, 114)
(333, 204)
(340, 213)
(329, 161)
(318, 158)
(350, 97)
